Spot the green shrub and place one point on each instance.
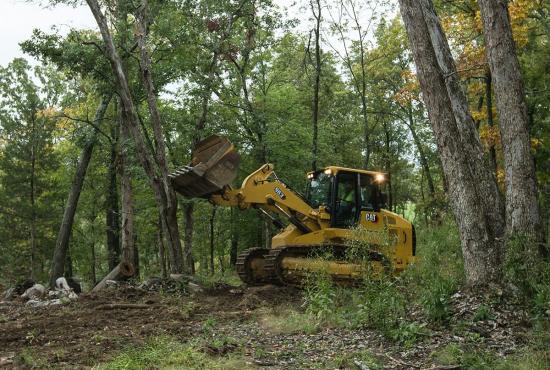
(439, 270)
(320, 295)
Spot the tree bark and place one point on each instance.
(112, 211)
(33, 199)
(317, 83)
(522, 210)
(127, 202)
(162, 255)
(155, 174)
(63, 237)
(472, 188)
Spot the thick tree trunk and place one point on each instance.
(62, 243)
(522, 210)
(472, 188)
(316, 10)
(112, 211)
(154, 171)
(127, 202)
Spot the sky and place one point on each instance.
(18, 18)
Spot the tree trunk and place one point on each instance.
(112, 212)
(93, 274)
(33, 201)
(212, 220)
(127, 202)
(317, 83)
(155, 171)
(162, 255)
(472, 188)
(63, 237)
(490, 121)
(522, 210)
(122, 271)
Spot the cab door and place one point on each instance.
(346, 200)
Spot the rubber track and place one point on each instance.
(241, 265)
(275, 256)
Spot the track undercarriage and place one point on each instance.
(293, 264)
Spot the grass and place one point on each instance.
(165, 352)
(31, 359)
(468, 357)
(287, 321)
(229, 277)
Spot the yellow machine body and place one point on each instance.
(312, 225)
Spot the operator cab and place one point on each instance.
(346, 193)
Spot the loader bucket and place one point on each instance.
(213, 166)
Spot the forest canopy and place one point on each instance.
(337, 84)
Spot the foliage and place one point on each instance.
(169, 353)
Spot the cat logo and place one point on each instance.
(371, 217)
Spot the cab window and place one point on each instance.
(368, 191)
(346, 200)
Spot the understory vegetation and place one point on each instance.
(406, 309)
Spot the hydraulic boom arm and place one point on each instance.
(263, 190)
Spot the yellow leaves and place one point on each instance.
(410, 89)
(500, 177)
(49, 112)
(479, 115)
(490, 136)
(519, 14)
(536, 143)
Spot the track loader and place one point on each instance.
(342, 211)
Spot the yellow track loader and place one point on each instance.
(338, 223)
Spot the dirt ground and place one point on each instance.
(90, 330)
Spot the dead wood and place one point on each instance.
(122, 271)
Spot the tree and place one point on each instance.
(62, 243)
(473, 192)
(522, 209)
(28, 101)
(316, 12)
(156, 172)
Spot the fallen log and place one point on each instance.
(123, 306)
(122, 271)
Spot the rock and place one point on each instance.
(62, 284)
(37, 291)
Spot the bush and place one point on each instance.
(439, 270)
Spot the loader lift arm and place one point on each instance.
(262, 189)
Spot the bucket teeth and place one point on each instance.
(214, 166)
